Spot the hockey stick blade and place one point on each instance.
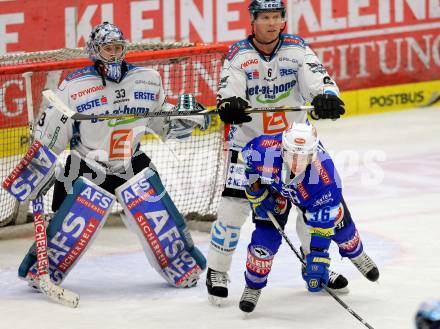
(46, 286)
(53, 99)
(327, 289)
(58, 294)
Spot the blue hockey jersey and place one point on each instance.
(317, 191)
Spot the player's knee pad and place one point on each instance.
(225, 232)
(71, 231)
(164, 236)
(264, 245)
(346, 235)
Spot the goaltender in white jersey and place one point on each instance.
(268, 69)
(107, 153)
(109, 142)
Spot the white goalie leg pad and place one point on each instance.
(225, 232)
(34, 175)
(162, 232)
(72, 230)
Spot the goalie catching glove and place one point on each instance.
(232, 110)
(182, 128)
(327, 106)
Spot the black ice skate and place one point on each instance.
(217, 284)
(249, 299)
(336, 282)
(366, 266)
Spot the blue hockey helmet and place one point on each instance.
(258, 6)
(106, 34)
(428, 315)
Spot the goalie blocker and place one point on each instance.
(34, 175)
(164, 236)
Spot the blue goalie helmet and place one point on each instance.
(428, 315)
(107, 44)
(258, 6)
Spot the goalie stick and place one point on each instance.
(328, 290)
(46, 286)
(53, 99)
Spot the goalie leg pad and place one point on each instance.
(72, 230)
(164, 236)
(34, 174)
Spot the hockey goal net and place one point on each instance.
(191, 170)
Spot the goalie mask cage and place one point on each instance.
(191, 170)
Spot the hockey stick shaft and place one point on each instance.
(328, 290)
(47, 287)
(61, 106)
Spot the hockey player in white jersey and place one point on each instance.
(269, 69)
(107, 152)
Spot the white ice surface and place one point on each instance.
(390, 164)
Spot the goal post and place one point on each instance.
(192, 170)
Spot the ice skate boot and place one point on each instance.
(366, 266)
(217, 284)
(249, 299)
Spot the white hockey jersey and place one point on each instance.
(292, 76)
(111, 142)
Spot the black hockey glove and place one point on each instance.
(231, 110)
(327, 106)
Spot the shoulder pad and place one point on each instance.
(85, 71)
(260, 148)
(237, 47)
(260, 145)
(293, 40)
(269, 141)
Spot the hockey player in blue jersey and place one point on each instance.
(275, 69)
(293, 168)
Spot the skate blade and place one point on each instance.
(216, 301)
(245, 315)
